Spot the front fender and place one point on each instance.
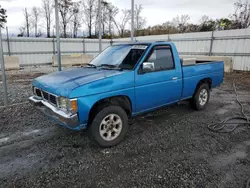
(86, 103)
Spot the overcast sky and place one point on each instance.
(155, 11)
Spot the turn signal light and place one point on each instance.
(74, 105)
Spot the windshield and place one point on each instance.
(120, 56)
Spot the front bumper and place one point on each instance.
(66, 119)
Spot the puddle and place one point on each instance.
(222, 111)
(228, 177)
(247, 143)
(19, 165)
(230, 159)
(4, 139)
(28, 135)
(238, 152)
(31, 132)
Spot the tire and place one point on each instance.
(201, 97)
(105, 130)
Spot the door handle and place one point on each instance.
(174, 78)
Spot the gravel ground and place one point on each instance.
(171, 147)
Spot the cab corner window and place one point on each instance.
(161, 58)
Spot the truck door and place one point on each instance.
(160, 85)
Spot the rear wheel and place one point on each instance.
(201, 97)
(109, 126)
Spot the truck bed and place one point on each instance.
(201, 70)
(194, 61)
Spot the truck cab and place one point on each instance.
(124, 80)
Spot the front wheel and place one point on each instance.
(109, 127)
(201, 97)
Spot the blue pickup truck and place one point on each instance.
(123, 81)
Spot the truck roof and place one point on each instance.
(145, 43)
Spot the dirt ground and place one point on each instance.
(171, 147)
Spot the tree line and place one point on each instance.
(115, 22)
(74, 15)
(239, 19)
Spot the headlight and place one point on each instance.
(63, 102)
(68, 104)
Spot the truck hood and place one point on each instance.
(62, 83)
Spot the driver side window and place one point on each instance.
(162, 58)
(152, 58)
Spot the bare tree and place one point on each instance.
(27, 21)
(166, 28)
(104, 17)
(242, 14)
(140, 21)
(206, 24)
(35, 18)
(105, 11)
(89, 7)
(47, 9)
(76, 18)
(204, 19)
(66, 11)
(96, 23)
(22, 31)
(124, 19)
(112, 12)
(181, 22)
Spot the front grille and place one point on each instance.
(38, 92)
(53, 99)
(46, 96)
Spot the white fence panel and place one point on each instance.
(72, 45)
(233, 43)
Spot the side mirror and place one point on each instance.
(148, 67)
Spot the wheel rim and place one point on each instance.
(203, 96)
(110, 127)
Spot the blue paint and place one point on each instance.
(146, 92)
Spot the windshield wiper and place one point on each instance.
(89, 65)
(108, 65)
(111, 66)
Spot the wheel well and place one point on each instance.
(205, 80)
(122, 101)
